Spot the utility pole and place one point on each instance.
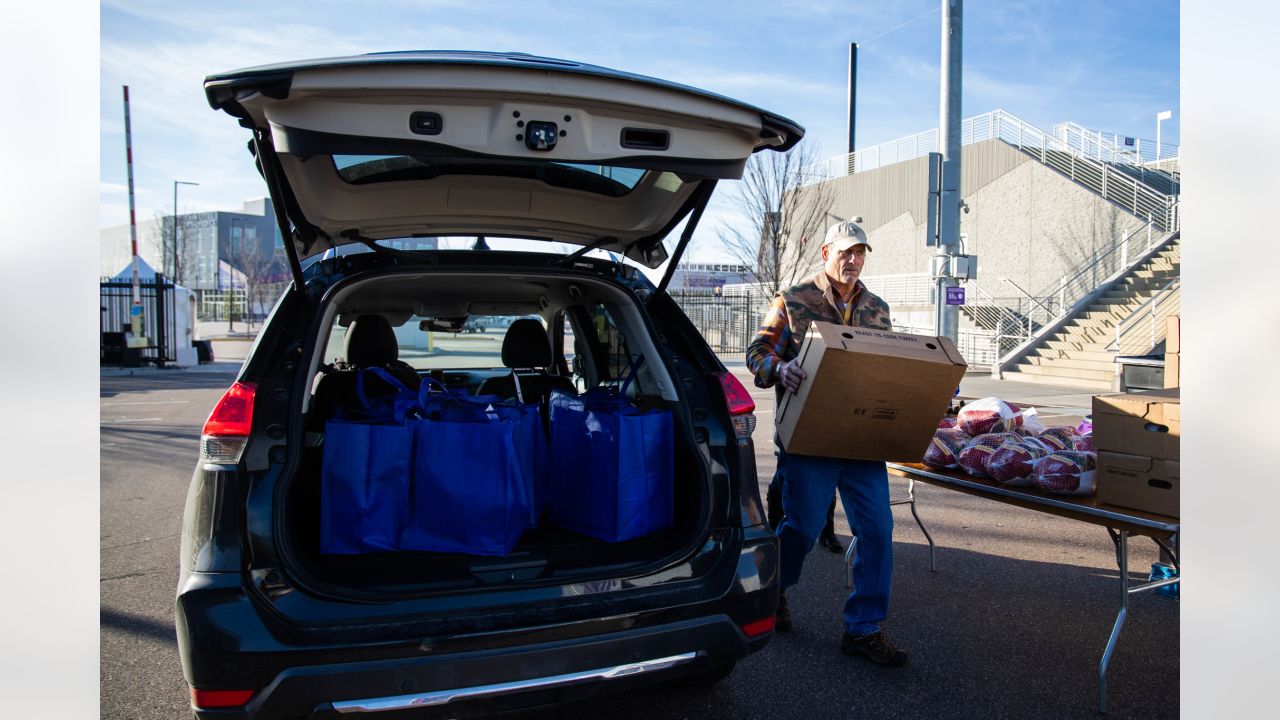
(175, 275)
(853, 94)
(948, 315)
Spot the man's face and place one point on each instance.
(844, 267)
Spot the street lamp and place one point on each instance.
(173, 277)
(1161, 117)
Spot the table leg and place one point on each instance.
(1122, 557)
(911, 500)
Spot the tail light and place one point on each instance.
(206, 699)
(756, 628)
(226, 432)
(741, 406)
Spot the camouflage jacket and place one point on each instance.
(787, 321)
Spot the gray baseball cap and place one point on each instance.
(844, 235)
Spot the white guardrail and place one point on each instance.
(1082, 164)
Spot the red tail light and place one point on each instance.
(740, 402)
(233, 415)
(204, 699)
(741, 406)
(226, 432)
(756, 628)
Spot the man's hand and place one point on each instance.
(791, 374)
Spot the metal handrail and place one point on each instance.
(1093, 143)
(1028, 295)
(1091, 267)
(1114, 185)
(1164, 303)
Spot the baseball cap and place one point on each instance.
(844, 235)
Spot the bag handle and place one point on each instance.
(634, 368)
(428, 384)
(380, 374)
(400, 404)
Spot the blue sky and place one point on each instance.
(1106, 65)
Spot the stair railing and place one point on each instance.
(1139, 333)
(1114, 147)
(1114, 185)
(1087, 281)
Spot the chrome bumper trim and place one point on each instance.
(443, 697)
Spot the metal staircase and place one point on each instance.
(1080, 350)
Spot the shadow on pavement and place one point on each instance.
(140, 626)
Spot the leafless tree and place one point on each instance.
(784, 207)
(259, 264)
(176, 250)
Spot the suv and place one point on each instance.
(509, 169)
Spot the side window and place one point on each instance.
(600, 352)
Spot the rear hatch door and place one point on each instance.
(388, 145)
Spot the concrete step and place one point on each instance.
(1099, 376)
(1071, 363)
(1095, 320)
(1059, 343)
(1104, 315)
(1094, 355)
(1072, 330)
(1060, 381)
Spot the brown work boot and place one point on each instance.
(875, 646)
(782, 618)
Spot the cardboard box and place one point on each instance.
(1172, 334)
(1172, 370)
(868, 394)
(1146, 423)
(1137, 482)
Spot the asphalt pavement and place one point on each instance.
(1013, 623)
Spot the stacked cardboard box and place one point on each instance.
(867, 394)
(1173, 352)
(1137, 436)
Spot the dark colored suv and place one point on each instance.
(420, 195)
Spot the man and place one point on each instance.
(834, 294)
(773, 512)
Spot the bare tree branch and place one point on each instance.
(177, 254)
(784, 209)
(256, 259)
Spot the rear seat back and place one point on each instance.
(526, 349)
(369, 342)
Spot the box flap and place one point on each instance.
(1158, 406)
(878, 342)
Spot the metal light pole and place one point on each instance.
(173, 276)
(1161, 117)
(948, 316)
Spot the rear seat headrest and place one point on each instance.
(370, 342)
(526, 345)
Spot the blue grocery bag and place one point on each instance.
(364, 474)
(613, 465)
(473, 476)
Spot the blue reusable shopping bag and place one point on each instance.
(613, 465)
(364, 473)
(473, 474)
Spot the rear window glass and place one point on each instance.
(599, 179)
(477, 345)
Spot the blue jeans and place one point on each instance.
(864, 492)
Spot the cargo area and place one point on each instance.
(482, 335)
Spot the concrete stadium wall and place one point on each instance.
(1026, 222)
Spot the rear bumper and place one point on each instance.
(228, 640)
(497, 681)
